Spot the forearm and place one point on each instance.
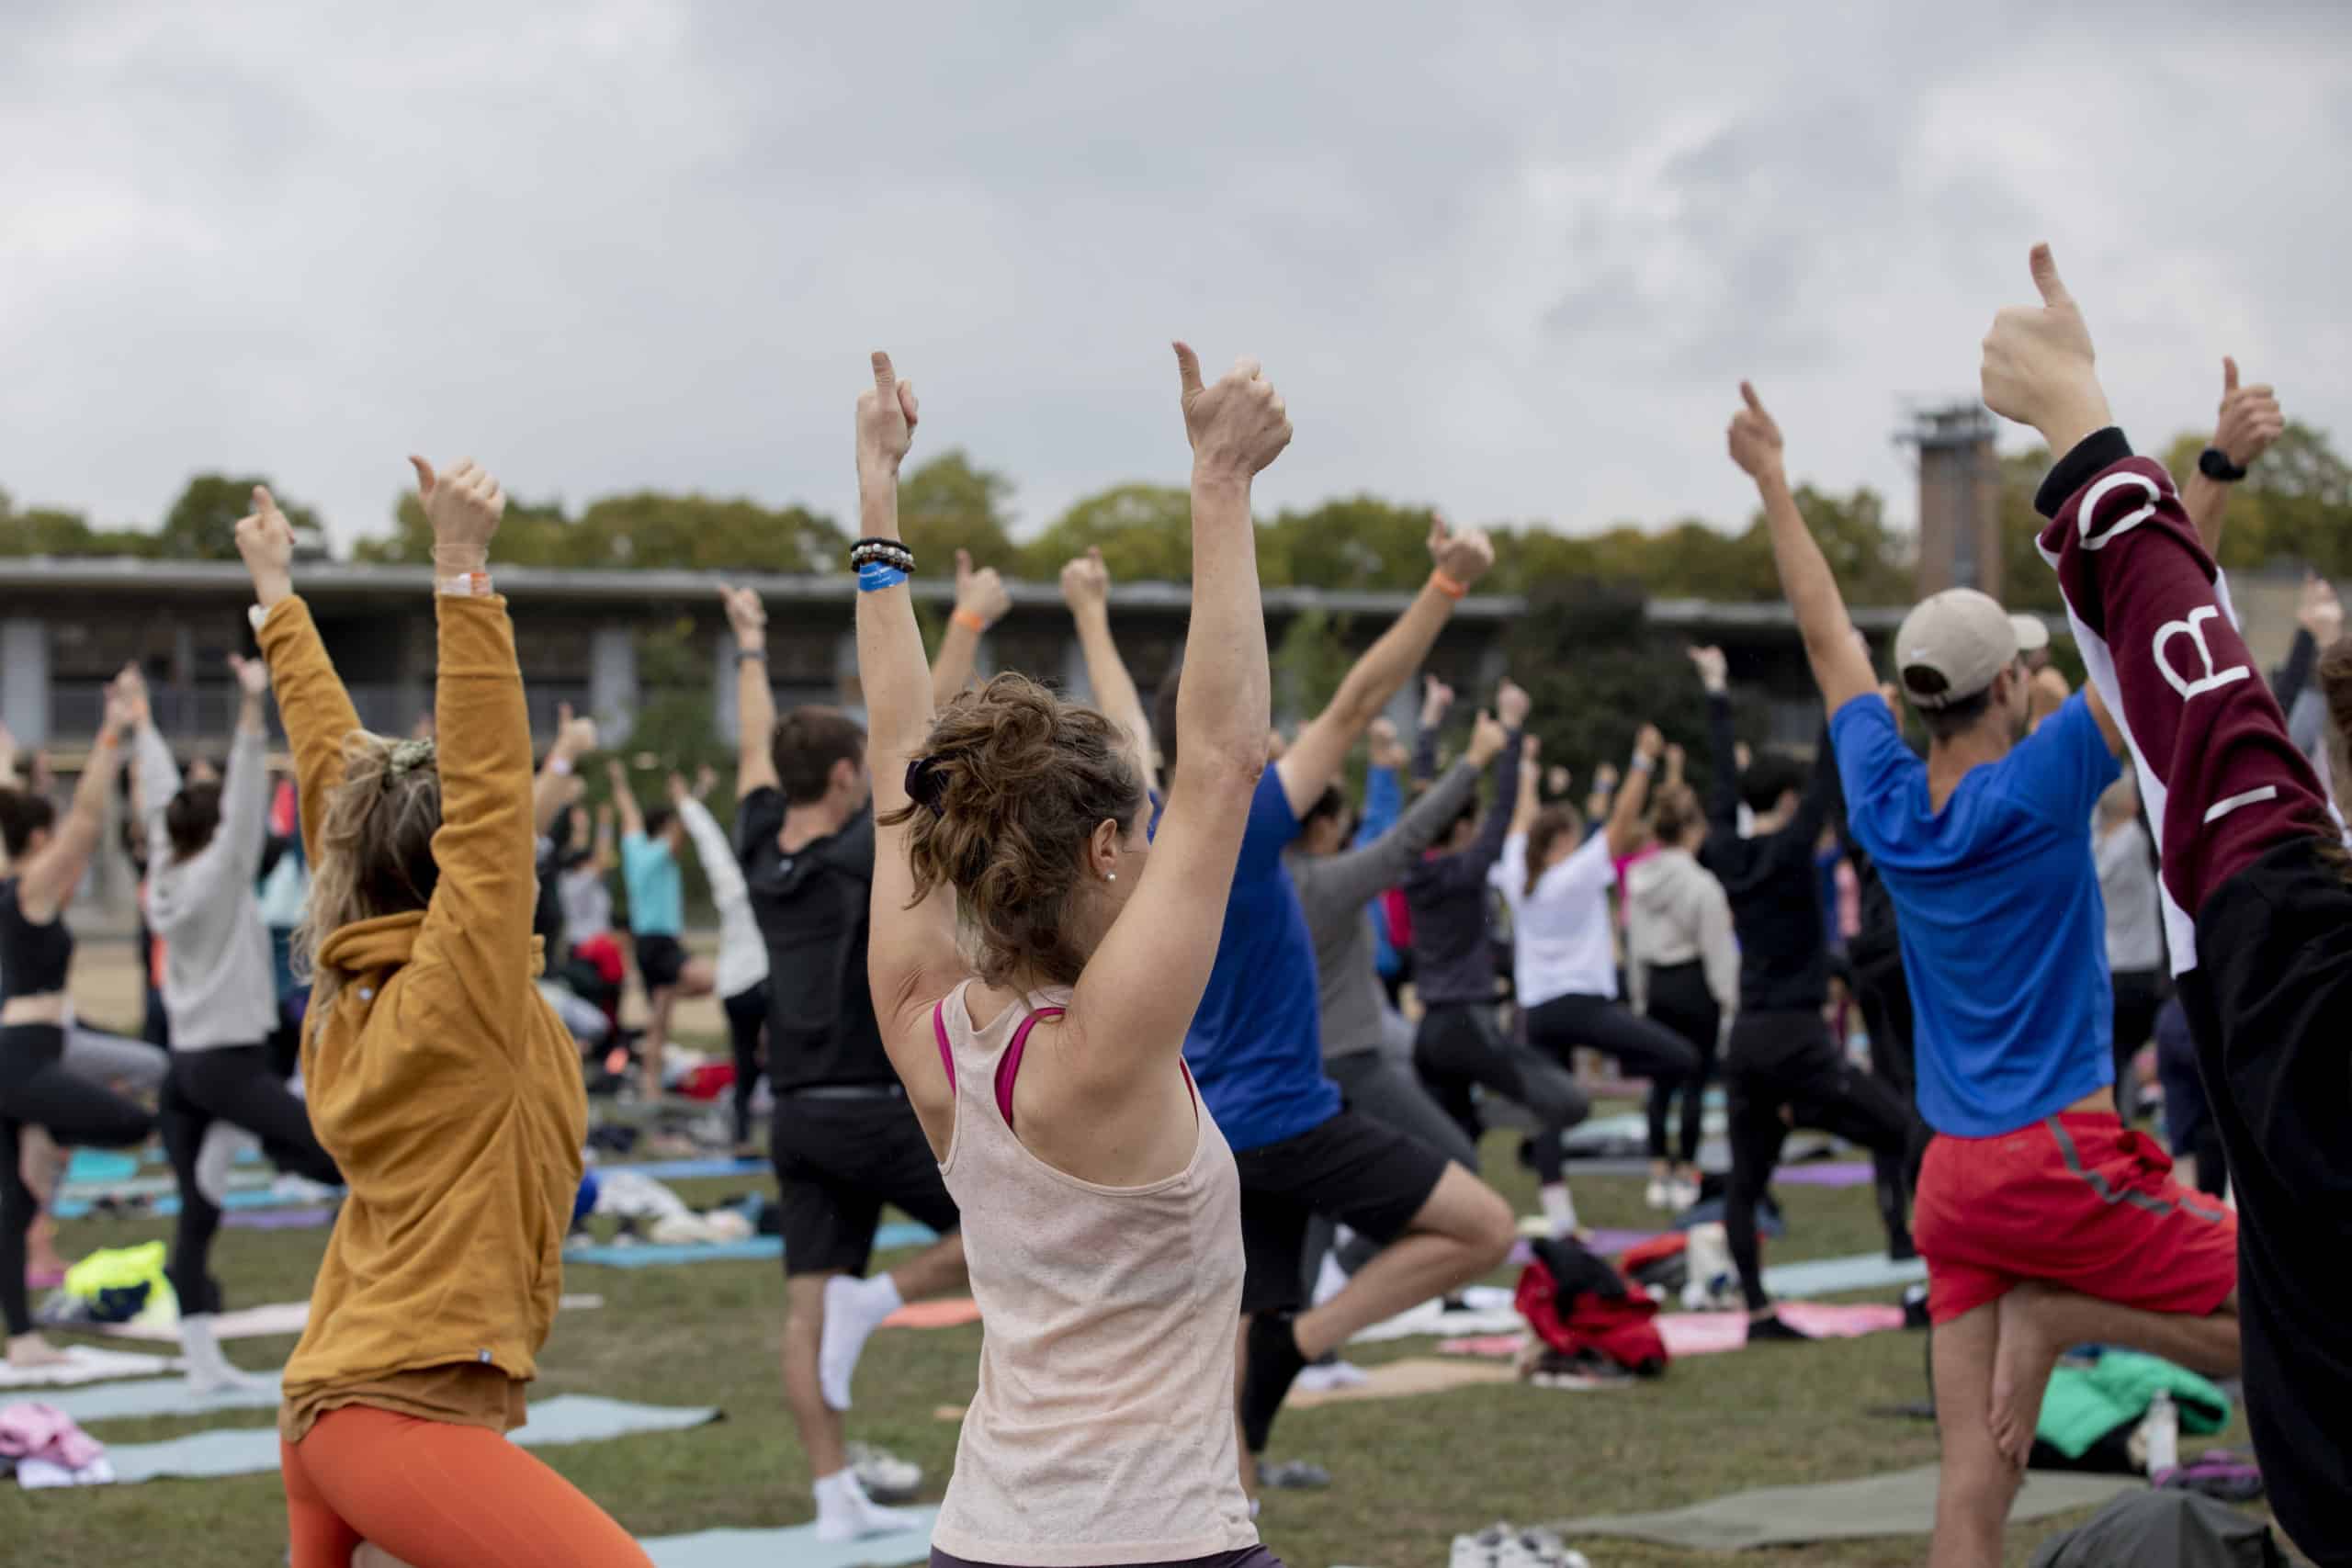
(2303, 659)
(1625, 818)
(1391, 660)
(312, 704)
(2206, 501)
(1425, 754)
(244, 803)
(547, 792)
(89, 803)
(1722, 760)
(1224, 706)
(1812, 591)
(718, 856)
(897, 684)
(1503, 813)
(1107, 675)
(1528, 805)
(960, 653)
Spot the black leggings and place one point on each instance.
(36, 1091)
(747, 1023)
(1644, 1047)
(1459, 1047)
(1679, 1000)
(1786, 1062)
(2138, 995)
(232, 1084)
(1884, 992)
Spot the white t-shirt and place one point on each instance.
(1561, 944)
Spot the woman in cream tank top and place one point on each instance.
(1036, 955)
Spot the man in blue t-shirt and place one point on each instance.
(2044, 1222)
(1256, 1050)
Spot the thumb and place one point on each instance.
(885, 380)
(1094, 554)
(963, 564)
(2046, 279)
(424, 479)
(1747, 394)
(563, 715)
(1188, 372)
(265, 502)
(2229, 374)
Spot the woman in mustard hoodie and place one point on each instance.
(444, 1087)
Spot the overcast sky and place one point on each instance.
(1513, 262)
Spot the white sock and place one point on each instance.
(845, 1513)
(1559, 1209)
(853, 1310)
(207, 1368)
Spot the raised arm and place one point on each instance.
(46, 879)
(711, 848)
(911, 956)
(625, 800)
(2250, 421)
(1437, 701)
(479, 922)
(1384, 784)
(1723, 745)
(1512, 761)
(1086, 588)
(1136, 999)
(312, 703)
(1458, 560)
(1841, 669)
(244, 832)
(153, 770)
(1625, 818)
(2319, 625)
(980, 603)
(558, 785)
(1355, 876)
(1527, 802)
(754, 700)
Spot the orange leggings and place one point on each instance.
(435, 1494)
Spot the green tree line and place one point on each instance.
(2295, 509)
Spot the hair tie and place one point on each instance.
(925, 784)
(406, 757)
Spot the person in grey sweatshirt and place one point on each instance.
(1683, 963)
(220, 987)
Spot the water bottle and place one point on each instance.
(2163, 1434)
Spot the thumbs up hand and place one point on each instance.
(2038, 366)
(2251, 419)
(1238, 426)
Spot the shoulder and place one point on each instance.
(1273, 823)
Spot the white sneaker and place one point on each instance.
(1321, 1377)
(845, 1513)
(1682, 1195)
(1657, 1195)
(883, 1474)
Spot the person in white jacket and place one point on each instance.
(1683, 964)
(221, 991)
(743, 973)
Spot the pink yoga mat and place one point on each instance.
(1706, 1332)
(934, 1314)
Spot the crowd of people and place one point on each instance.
(1189, 1052)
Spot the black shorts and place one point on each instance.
(1353, 1169)
(661, 960)
(837, 1159)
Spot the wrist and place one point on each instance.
(2077, 417)
(970, 620)
(459, 561)
(1445, 582)
(271, 587)
(1220, 478)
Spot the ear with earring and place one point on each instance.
(1110, 877)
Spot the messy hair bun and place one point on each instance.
(1013, 783)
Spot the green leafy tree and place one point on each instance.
(202, 523)
(1358, 542)
(646, 529)
(52, 531)
(947, 504)
(1309, 662)
(1144, 531)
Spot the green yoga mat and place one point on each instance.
(1899, 1503)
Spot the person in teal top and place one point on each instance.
(651, 842)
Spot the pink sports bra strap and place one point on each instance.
(1010, 1067)
(939, 1033)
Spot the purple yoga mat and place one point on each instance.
(279, 1219)
(1610, 1243)
(1827, 1173)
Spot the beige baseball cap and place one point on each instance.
(2033, 633)
(1950, 648)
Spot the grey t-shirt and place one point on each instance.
(2127, 881)
(1334, 890)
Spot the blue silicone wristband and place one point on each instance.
(875, 576)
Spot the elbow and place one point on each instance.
(1229, 764)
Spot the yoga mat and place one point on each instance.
(646, 1256)
(1709, 1333)
(934, 1314)
(85, 1363)
(1827, 1173)
(249, 1450)
(688, 1169)
(259, 1322)
(1828, 1276)
(168, 1204)
(795, 1548)
(1404, 1379)
(279, 1219)
(1489, 1312)
(159, 1396)
(1504, 1345)
(100, 1167)
(1900, 1501)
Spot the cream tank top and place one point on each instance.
(1103, 1431)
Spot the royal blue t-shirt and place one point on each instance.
(1997, 899)
(1256, 1044)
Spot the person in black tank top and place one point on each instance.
(47, 857)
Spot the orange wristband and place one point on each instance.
(1446, 585)
(970, 619)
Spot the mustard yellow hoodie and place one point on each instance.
(440, 1080)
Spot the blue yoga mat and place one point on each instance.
(752, 1249)
(687, 1169)
(795, 1548)
(101, 1165)
(1828, 1276)
(249, 1450)
(167, 1206)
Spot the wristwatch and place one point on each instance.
(2215, 464)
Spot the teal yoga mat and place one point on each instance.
(1828, 1276)
(156, 1396)
(795, 1548)
(249, 1450)
(168, 1203)
(752, 1250)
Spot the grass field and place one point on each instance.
(1407, 1473)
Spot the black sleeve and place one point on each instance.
(2099, 450)
(1425, 754)
(272, 850)
(759, 817)
(2287, 684)
(1822, 795)
(1722, 753)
